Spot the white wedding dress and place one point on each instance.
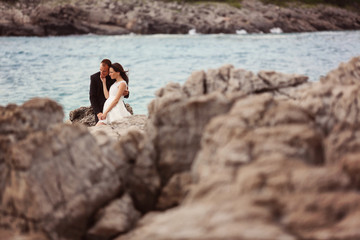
(119, 110)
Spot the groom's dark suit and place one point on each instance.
(97, 97)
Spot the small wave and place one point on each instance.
(276, 30)
(192, 31)
(241, 31)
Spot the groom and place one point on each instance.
(97, 97)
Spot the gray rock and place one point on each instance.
(185, 111)
(17, 122)
(227, 79)
(256, 127)
(263, 163)
(53, 175)
(118, 129)
(346, 74)
(335, 99)
(117, 217)
(184, 118)
(42, 18)
(229, 155)
(11, 235)
(85, 115)
(142, 178)
(175, 191)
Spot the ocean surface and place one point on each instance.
(60, 67)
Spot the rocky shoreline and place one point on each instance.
(230, 154)
(115, 17)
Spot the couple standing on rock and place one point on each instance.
(108, 87)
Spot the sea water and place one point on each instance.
(60, 67)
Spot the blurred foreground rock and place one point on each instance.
(266, 167)
(230, 154)
(55, 178)
(115, 17)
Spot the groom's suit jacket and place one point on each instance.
(97, 98)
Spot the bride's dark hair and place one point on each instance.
(118, 68)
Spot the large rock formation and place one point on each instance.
(43, 18)
(185, 111)
(55, 178)
(268, 168)
(230, 154)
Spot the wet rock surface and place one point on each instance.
(112, 17)
(230, 154)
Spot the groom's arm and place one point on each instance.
(126, 94)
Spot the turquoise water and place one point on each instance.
(59, 67)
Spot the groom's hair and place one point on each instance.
(106, 62)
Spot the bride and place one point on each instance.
(114, 108)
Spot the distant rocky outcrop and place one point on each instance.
(230, 154)
(113, 17)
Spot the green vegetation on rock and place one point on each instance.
(234, 3)
(339, 3)
(355, 4)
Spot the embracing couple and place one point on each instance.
(107, 90)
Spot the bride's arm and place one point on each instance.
(106, 92)
(120, 92)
